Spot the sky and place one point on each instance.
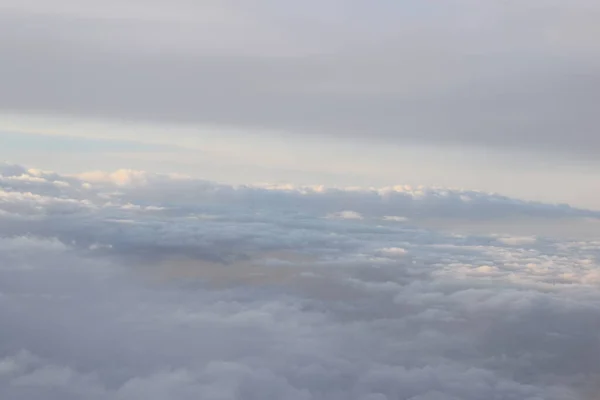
(308, 200)
(497, 96)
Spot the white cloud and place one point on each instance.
(346, 214)
(518, 241)
(394, 251)
(395, 218)
(218, 292)
(120, 177)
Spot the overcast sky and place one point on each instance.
(299, 200)
(493, 95)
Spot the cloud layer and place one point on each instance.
(130, 285)
(518, 75)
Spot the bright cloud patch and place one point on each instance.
(518, 241)
(346, 215)
(140, 286)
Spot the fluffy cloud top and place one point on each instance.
(140, 286)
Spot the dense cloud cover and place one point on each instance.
(131, 285)
(511, 74)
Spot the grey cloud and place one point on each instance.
(513, 76)
(131, 214)
(138, 191)
(152, 219)
(183, 299)
(182, 343)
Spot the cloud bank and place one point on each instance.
(518, 75)
(131, 285)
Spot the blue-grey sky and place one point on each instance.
(498, 96)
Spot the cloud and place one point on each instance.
(518, 241)
(346, 214)
(519, 75)
(172, 287)
(394, 251)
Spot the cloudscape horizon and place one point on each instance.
(299, 200)
(127, 285)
